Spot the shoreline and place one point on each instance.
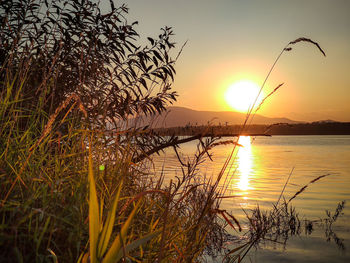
(319, 128)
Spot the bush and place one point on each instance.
(71, 78)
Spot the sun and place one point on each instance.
(243, 94)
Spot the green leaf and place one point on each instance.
(139, 242)
(42, 233)
(94, 218)
(116, 245)
(108, 226)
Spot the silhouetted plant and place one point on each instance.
(71, 77)
(74, 47)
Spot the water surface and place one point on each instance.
(257, 176)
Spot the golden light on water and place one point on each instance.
(245, 163)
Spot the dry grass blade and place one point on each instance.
(187, 193)
(228, 196)
(224, 143)
(237, 249)
(284, 187)
(140, 195)
(227, 220)
(236, 221)
(318, 178)
(53, 117)
(225, 215)
(270, 94)
(305, 186)
(304, 39)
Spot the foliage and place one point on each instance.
(75, 47)
(100, 234)
(71, 76)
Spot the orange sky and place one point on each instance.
(230, 40)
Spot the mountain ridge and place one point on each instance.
(176, 116)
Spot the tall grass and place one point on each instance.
(49, 163)
(71, 191)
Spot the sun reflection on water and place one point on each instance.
(245, 163)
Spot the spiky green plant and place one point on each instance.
(100, 233)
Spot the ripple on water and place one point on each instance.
(258, 174)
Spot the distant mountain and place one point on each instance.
(180, 116)
(334, 116)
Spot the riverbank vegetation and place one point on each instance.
(313, 128)
(76, 183)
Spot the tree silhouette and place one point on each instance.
(73, 47)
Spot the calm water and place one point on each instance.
(258, 175)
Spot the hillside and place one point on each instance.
(180, 116)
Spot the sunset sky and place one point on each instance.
(231, 41)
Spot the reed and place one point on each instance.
(76, 185)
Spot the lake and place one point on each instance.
(258, 174)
